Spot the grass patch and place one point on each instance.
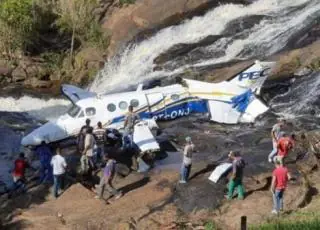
(124, 2)
(313, 224)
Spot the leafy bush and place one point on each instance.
(17, 24)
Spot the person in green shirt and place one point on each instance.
(235, 181)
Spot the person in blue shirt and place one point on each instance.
(45, 154)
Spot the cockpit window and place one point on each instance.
(74, 110)
(90, 111)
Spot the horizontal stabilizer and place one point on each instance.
(75, 94)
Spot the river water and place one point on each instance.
(244, 32)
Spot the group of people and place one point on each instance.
(282, 144)
(91, 145)
(52, 169)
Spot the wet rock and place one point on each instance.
(182, 49)
(240, 24)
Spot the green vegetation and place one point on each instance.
(300, 225)
(17, 24)
(210, 226)
(56, 31)
(123, 2)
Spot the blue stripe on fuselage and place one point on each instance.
(174, 110)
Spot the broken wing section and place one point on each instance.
(143, 136)
(75, 94)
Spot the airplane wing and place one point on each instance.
(75, 94)
(143, 136)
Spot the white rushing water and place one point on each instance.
(302, 100)
(135, 63)
(38, 108)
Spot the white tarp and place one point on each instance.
(223, 112)
(144, 139)
(219, 171)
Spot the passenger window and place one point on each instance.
(175, 97)
(111, 107)
(90, 111)
(123, 105)
(81, 114)
(134, 102)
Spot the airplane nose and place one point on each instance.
(48, 132)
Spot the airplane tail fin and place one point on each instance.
(254, 76)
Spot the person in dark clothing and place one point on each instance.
(100, 136)
(45, 154)
(82, 135)
(107, 178)
(238, 165)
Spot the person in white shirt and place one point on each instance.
(59, 166)
(187, 160)
(275, 135)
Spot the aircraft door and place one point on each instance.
(156, 105)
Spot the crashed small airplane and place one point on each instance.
(226, 102)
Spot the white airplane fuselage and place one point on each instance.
(160, 103)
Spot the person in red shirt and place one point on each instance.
(285, 144)
(280, 177)
(18, 173)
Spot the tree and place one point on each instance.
(17, 24)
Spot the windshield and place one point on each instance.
(74, 110)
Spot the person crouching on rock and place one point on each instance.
(107, 178)
(59, 166)
(187, 160)
(280, 177)
(238, 165)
